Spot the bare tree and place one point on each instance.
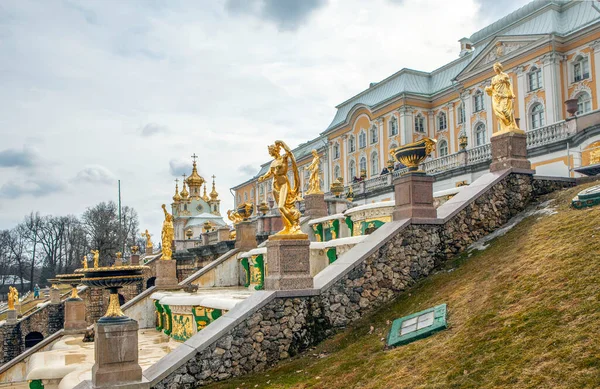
(17, 246)
(6, 263)
(31, 230)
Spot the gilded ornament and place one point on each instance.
(134, 249)
(595, 157)
(13, 297)
(503, 100)
(314, 182)
(84, 262)
(337, 187)
(167, 235)
(284, 193)
(413, 154)
(96, 257)
(234, 216)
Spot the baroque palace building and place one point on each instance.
(551, 51)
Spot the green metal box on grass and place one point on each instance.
(417, 326)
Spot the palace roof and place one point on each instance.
(538, 17)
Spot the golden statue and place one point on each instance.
(134, 249)
(84, 262)
(503, 100)
(13, 297)
(148, 242)
(96, 257)
(285, 195)
(234, 216)
(167, 235)
(314, 182)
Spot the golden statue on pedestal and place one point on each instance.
(167, 235)
(314, 182)
(84, 262)
(234, 216)
(96, 257)
(13, 297)
(285, 195)
(503, 101)
(149, 246)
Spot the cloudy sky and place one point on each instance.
(95, 91)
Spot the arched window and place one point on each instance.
(584, 103)
(535, 78)
(537, 116)
(461, 114)
(581, 68)
(352, 169)
(480, 134)
(245, 196)
(252, 193)
(478, 101)
(261, 189)
(363, 165)
(393, 126)
(373, 135)
(351, 144)
(362, 139)
(336, 172)
(442, 121)
(239, 199)
(419, 123)
(374, 163)
(336, 151)
(443, 148)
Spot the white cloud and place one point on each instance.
(95, 174)
(80, 79)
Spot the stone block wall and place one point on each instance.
(286, 326)
(46, 320)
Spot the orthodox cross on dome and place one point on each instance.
(176, 181)
(194, 157)
(183, 175)
(213, 177)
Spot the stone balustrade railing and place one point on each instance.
(548, 134)
(479, 154)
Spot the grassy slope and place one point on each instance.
(525, 313)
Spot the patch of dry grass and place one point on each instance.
(525, 313)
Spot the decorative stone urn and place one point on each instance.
(571, 105)
(413, 154)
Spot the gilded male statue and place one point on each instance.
(285, 195)
(148, 242)
(13, 297)
(167, 235)
(96, 257)
(503, 100)
(314, 181)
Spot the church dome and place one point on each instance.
(184, 193)
(195, 180)
(177, 196)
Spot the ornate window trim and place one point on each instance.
(392, 120)
(475, 133)
(442, 121)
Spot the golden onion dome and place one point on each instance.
(194, 180)
(184, 193)
(204, 196)
(213, 193)
(177, 196)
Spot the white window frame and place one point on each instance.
(581, 64)
(483, 134)
(460, 113)
(393, 126)
(362, 139)
(351, 144)
(536, 116)
(478, 97)
(374, 135)
(584, 103)
(352, 169)
(534, 79)
(421, 119)
(374, 163)
(336, 150)
(442, 121)
(360, 164)
(442, 143)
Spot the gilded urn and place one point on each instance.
(413, 154)
(245, 210)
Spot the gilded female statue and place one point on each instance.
(148, 242)
(285, 195)
(314, 182)
(13, 297)
(96, 257)
(167, 235)
(503, 100)
(84, 262)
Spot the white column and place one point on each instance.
(596, 47)
(488, 115)
(343, 153)
(330, 164)
(326, 168)
(430, 124)
(522, 91)
(405, 124)
(451, 128)
(550, 74)
(381, 145)
(468, 101)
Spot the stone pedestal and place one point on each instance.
(11, 316)
(509, 150)
(116, 355)
(119, 262)
(245, 236)
(134, 260)
(288, 263)
(414, 197)
(54, 296)
(75, 316)
(166, 273)
(314, 205)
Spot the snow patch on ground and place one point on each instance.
(541, 210)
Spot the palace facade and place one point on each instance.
(551, 51)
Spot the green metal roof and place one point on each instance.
(538, 17)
